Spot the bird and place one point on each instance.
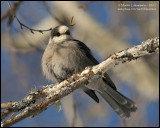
(65, 56)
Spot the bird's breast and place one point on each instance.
(61, 61)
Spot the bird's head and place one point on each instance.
(59, 34)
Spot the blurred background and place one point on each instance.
(106, 28)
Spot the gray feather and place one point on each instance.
(122, 105)
(91, 93)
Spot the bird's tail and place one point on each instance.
(122, 105)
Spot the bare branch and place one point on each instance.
(23, 25)
(5, 113)
(51, 13)
(13, 9)
(52, 93)
(71, 21)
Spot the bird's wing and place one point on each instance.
(88, 53)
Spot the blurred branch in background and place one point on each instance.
(11, 12)
(69, 106)
(50, 11)
(84, 6)
(52, 93)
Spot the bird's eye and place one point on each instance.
(58, 34)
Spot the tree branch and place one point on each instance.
(23, 25)
(50, 11)
(12, 9)
(52, 93)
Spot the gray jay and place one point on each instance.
(65, 56)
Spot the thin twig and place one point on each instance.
(29, 43)
(12, 115)
(71, 21)
(23, 25)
